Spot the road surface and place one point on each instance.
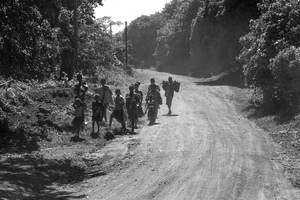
(204, 151)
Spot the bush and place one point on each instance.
(271, 56)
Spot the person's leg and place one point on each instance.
(132, 121)
(98, 126)
(103, 116)
(169, 107)
(93, 124)
(104, 113)
(110, 120)
(136, 119)
(169, 102)
(155, 111)
(124, 126)
(77, 130)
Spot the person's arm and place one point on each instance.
(157, 87)
(108, 89)
(137, 99)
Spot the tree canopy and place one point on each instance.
(271, 55)
(37, 39)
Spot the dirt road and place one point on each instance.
(205, 150)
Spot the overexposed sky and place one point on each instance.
(128, 10)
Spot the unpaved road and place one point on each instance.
(205, 151)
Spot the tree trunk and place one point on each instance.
(67, 63)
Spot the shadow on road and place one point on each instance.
(33, 178)
(151, 124)
(171, 115)
(234, 79)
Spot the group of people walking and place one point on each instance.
(123, 109)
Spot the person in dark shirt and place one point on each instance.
(156, 96)
(132, 101)
(97, 112)
(169, 94)
(118, 112)
(140, 112)
(150, 108)
(152, 82)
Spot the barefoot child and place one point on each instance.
(118, 112)
(78, 120)
(97, 114)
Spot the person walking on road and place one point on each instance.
(169, 94)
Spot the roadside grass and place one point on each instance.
(38, 158)
(285, 134)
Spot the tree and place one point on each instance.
(142, 33)
(270, 53)
(37, 35)
(215, 34)
(173, 44)
(27, 48)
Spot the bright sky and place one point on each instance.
(128, 10)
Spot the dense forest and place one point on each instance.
(37, 39)
(255, 38)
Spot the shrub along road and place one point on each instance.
(205, 150)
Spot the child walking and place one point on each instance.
(97, 114)
(78, 120)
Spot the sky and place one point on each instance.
(128, 10)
